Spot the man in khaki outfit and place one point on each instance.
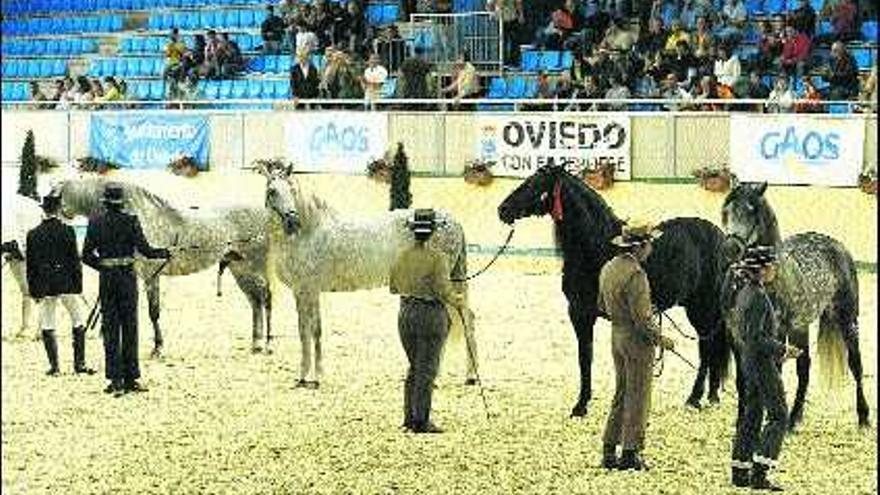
(421, 276)
(625, 297)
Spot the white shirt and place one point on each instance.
(375, 77)
(728, 71)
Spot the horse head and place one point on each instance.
(537, 195)
(79, 196)
(747, 219)
(280, 198)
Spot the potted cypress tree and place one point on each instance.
(400, 195)
(27, 174)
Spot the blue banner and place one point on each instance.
(149, 141)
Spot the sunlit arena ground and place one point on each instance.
(218, 419)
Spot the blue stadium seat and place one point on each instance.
(531, 88)
(158, 66)
(154, 22)
(231, 19)
(59, 67)
(825, 28)
(838, 108)
(268, 88)
(157, 90)
(116, 23)
(774, 6)
(255, 64)
(550, 61)
(191, 20)
(33, 68)
(154, 44)
(389, 87)
(246, 18)
(254, 88)
(566, 60)
(12, 69)
(77, 25)
(212, 90)
(282, 89)
(140, 44)
(239, 89)
(39, 47)
(94, 24)
(284, 63)
(530, 60)
(178, 20)
(88, 45)
(390, 13)
(206, 19)
(140, 67)
(225, 89)
(869, 31)
(754, 6)
(140, 90)
(516, 87)
(125, 46)
(863, 58)
(139, 4)
(245, 42)
(497, 88)
(52, 47)
(259, 17)
(270, 64)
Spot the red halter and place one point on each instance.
(556, 207)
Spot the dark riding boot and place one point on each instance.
(609, 456)
(51, 346)
(741, 477)
(428, 427)
(759, 478)
(79, 351)
(631, 459)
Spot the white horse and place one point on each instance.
(20, 215)
(312, 250)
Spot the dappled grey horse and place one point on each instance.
(20, 214)
(312, 250)
(203, 236)
(816, 279)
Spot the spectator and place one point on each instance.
(803, 18)
(304, 77)
(545, 87)
(683, 63)
(58, 91)
(465, 83)
(617, 38)
(676, 34)
(339, 80)
(561, 26)
(391, 47)
(374, 77)
(868, 92)
(580, 68)
(732, 21)
(68, 97)
(97, 89)
(38, 95)
(339, 23)
(272, 30)
(231, 61)
(781, 99)
(357, 28)
(709, 89)
(603, 67)
(306, 39)
(688, 14)
(288, 11)
(113, 92)
(413, 82)
(645, 86)
(200, 44)
(770, 46)
(727, 67)
(512, 18)
(564, 89)
(843, 16)
(654, 40)
(702, 38)
(810, 98)
(83, 94)
(211, 67)
(795, 52)
(591, 90)
(672, 90)
(617, 91)
(756, 90)
(174, 52)
(843, 74)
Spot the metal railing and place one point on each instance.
(440, 39)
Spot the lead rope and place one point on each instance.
(491, 262)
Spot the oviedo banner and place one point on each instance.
(801, 149)
(519, 144)
(148, 141)
(342, 142)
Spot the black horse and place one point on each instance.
(685, 269)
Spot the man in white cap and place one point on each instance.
(625, 297)
(421, 276)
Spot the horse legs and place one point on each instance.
(268, 309)
(17, 268)
(714, 352)
(153, 299)
(471, 344)
(583, 321)
(800, 339)
(854, 357)
(257, 322)
(309, 317)
(700, 382)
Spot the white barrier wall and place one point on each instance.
(663, 145)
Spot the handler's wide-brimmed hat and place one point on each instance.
(636, 233)
(422, 221)
(113, 194)
(51, 202)
(757, 256)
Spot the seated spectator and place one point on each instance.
(672, 90)
(306, 39)
(617, 38)
(564, 89)
(38, 95)
(512, 17)
(603, 68)
(781, 99)
(563, 22)
(617, 91)
(843, 74)
(339, 23)
(868, 93)
(580, 68)
(844, 23)
(357, 28)
(591, 89)
(705, 64)
(391, 47)
(755, 88)
(112, 93)
(702, 38)
(810, 98)
(683, 64)
(97, 88)
(645, 86)
(211, 67)
(413, 81)
(709, 89)
(83, 94)
(803, 18)
(58, 91)
(732, 21)
(322, 23)
(770, 42)
(654, 39)
(288, 11)
(727, 67)
(231, 61)
(465, 83)
(795, 52)
(676, 34)
(200, 43)
(272, 30)
(304, 77)
(68, 97)
(374, 78)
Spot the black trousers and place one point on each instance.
(119, 325)
(763, 392)
(423, 327)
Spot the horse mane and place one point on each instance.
(596, 221)
(138, 193)
(768, 224)
(310, 208)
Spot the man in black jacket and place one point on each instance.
(54, 274)
(112, 238)
(304, 77)
(272, 30)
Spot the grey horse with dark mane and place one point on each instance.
(816, 280)
(203, 236)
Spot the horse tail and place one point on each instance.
(840, 320)
(273, 283)
(720, 350)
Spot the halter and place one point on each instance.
(556, 205)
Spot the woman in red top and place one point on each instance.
(795, 52)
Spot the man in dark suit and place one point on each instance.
(112, 238)
(304, 77)
(54, 275)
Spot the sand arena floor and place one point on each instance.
(218, 419)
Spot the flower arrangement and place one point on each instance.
(868, 181)
(379, 170)
(715, 178)
(184, 165)
(97, 165)
(599, 176)
(479, 172)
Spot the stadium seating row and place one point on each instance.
(64, 46)
(551, 61)
(63, 25)
(156, 44)
(34, 68)
(127, 67)
(15, 91)
(28, 7)
(207, 19)
(379, 14)
(512, 87)
(468, 5)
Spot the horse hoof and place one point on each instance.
(313, 385)
(300, 383)
(156, 353)
(694, 403)
(579, 411)
(269, 350)
(714, 400)
(470, 381)
(256, 349)
(864, 424)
